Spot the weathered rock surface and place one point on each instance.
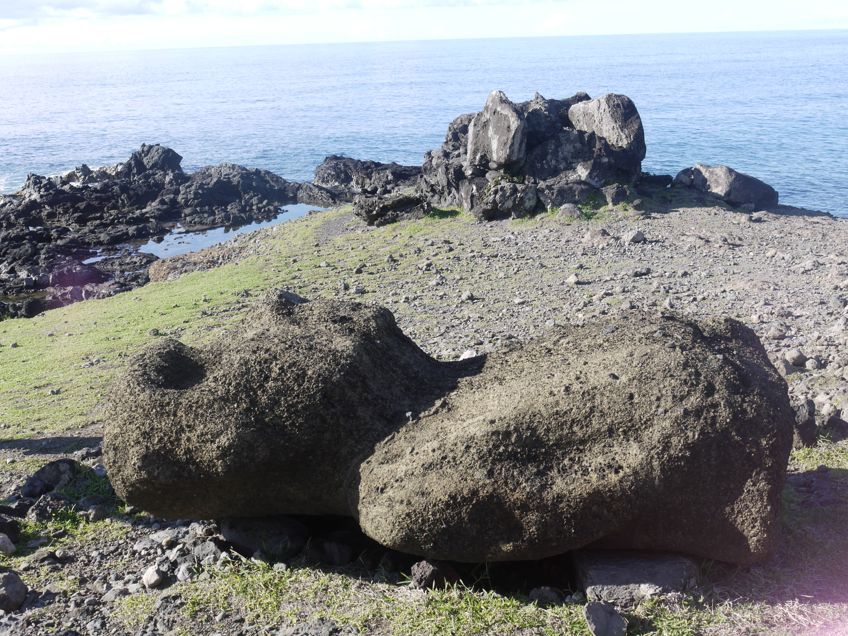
(550, 152)
(346, 177)
(626, 578)
(53, 224)
(376, 210)
(728, 185)
(603, 620)
(13, 591)
(229, 194)
(613, 117)
(647, 433)
(497, 136)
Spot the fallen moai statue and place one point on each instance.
(651, 433)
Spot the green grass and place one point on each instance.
(80, 348)
(133, 611)
(267, 596)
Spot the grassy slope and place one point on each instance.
(79, 349)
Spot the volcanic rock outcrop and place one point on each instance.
(53, 224)
(347, 177)
(735, 188)
(515, 159)
(651, 433)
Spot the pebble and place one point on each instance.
(153, 577)
(795, 357)
(604, 620)
(776, 333)
(13, 591)
(6, 545)
(634, 236)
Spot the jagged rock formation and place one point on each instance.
(650, 433)
(735, 188)
(346, 178)
(377, 210)
(516, 159)
(52, 224)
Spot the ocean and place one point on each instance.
(770, 104)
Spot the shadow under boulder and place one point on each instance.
(655, 433)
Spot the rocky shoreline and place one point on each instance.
(70, 237)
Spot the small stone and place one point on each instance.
(641, 272)
(6, 545)
(113, 595)
(776, 333)
(359, 290)
(603, 620)
(14, 345)
(11, 527)
(467, 296)
(795, 357)
(184, 572)
(812, 364)
(596, 235)
(98, 513)
(626, 578)
(154, 332)
(805, 424)
(430, 574)
(359, 269)
(13, 591)
(467, 354)
(633, 237)
(572, 280)
(153, 577)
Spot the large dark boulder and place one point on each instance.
(561, 150)
(651, 433)
(613, 117)
(735, 188)
(347, 177)
(376, 210)
(497, 136)
(230, 194)
(443, 171)
(272, 419)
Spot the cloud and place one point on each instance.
(15, 10)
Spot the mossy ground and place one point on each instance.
(52, 382)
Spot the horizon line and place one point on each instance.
(29, 52)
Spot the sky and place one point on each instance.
(111, 25)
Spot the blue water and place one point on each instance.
(181, 241)
(770, 104)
